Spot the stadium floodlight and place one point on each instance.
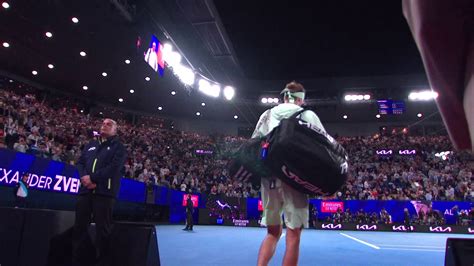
(173, 59)
(229, 92)
(236, 116)
(48, 34)
(34, 72)
(367, 97)
(264, 100)
(167, 48)
(360, 97)
(276, 100)
(185, 74)
(208, 89)
(6, 5)
(270, 100)
(82, 53)
(120, 100)
(377, 115)
(426, 95)
(6, 45)
(419, 115)
(348, 98)
(344, 116)
(75, 20)
(85, 87)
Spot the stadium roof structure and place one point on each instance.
(256, 47)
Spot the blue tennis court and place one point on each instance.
(222, 245)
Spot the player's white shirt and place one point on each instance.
(272, 117)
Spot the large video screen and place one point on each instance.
(154, 55)
(194, 199)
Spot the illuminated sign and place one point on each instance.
(331, 206)
(57, 183)
(203, 152)
(240, 222)
(194, 199)
(366, 227)
(384, 152)
(402, 228)
(331, 226)
(440, 229)
(260, 205)
(407, 152)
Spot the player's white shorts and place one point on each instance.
(279, 198)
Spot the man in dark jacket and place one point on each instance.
(100, 167)
(189, 214)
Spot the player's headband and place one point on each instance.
(292, 95)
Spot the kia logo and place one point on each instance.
(402, 228)
(331, 226)
(406, 152)
(384, 152)
(440, 229)
(366, 227)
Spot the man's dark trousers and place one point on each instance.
(101, 209)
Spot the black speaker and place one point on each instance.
(134, 244)
(11, 227)
(131, 244)
(26, 233)
(459, 252)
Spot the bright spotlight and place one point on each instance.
(236, 116)
(203, 104)
(344, 116)
(160, 108)
(208, 89)
(360, 97)
(422, 95)
(34, 72)
(173, 93)
(167, 48)
(82, 53)
(120, 100)
(264, 100)
(198, 113)
(127, 61)
(276, 100)
(104, 74)
(147, 78)
(419, 115)
(377, 115)
(185, 74)
(75, 20)
(174, 59)
(348, 98)
(132, 91)
(5, 5)
(270, 100)
(229, 92)
(6, 45)
(85, 88)
(50, 66)
(367, 97)
(49, 34)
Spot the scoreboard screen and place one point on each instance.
(391, 107)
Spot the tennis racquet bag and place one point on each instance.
(305, 157)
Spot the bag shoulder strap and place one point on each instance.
(298, 113)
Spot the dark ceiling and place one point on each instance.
(253, 46)
(312, 39)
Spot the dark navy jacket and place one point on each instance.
(104, 162)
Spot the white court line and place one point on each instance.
(360, 241)
(416, 249)
(282, 235)
(410, 246)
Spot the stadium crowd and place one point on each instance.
(56, 127)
